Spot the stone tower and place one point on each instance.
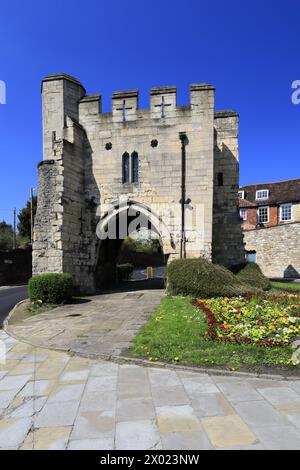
(176, 166)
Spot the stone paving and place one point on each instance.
(51, 400)
(103, 325)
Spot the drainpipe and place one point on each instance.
(183, 139)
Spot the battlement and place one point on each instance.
(62, 76)
(163, 103)
(226, 113)
(125, 103)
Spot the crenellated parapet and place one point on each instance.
(125, 105)
(68, 94)
(163, 104)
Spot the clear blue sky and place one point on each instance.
(249, 50)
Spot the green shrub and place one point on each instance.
(200, 278)
(251, 274)
(51, 287)
(124, 271)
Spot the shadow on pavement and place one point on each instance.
(136, 285)
(78, 300)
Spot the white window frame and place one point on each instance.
(257, 196)
(285, 205)
(268, 212)
(242, 194)
(244, 211)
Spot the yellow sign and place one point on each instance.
(149, 272)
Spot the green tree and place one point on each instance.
(24, 225)
(6, 236)
(22, 242)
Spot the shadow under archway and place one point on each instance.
(113, 229)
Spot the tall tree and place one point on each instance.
(6, 236)
(24, 225)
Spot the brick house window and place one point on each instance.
(285, 212)
(262, 194)
(243, 214)
(241, 194)
(125, 168)
(263, 215)
(220, 179)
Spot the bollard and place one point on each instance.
(149, 272)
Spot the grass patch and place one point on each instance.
(177, 332)
(285, 286)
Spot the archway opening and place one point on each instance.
(130, 236)
(143, 249)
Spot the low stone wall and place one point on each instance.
(15, 266)
(277, 249)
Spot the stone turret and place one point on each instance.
(61, 203)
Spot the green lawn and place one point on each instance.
(177, 332)
(285, 286)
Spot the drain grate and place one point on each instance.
(133, 296)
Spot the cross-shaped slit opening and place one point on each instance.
(163, 105)
(124, 109)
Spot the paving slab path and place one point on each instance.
(100, 326)
(52, 400)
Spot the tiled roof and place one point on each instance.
(244, 203)
(280, 192)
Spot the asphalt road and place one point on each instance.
(158, 272)
(9, 296)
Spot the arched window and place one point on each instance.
(134, 167)
(125, 167)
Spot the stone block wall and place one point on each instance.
(228, 246)
(47, 255)
(160, 166)
(277, 249)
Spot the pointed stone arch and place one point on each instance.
(156, 222)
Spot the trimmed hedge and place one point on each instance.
(51, 287)
(252, 275)
(124, 271)
(200, 278)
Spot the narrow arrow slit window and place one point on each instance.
(135, 167)
(125, 168)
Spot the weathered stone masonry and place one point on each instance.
(277, 249)
(80, 177)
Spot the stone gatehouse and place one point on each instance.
(175, 167)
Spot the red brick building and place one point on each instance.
(269, 204)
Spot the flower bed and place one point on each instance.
(265, 320)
